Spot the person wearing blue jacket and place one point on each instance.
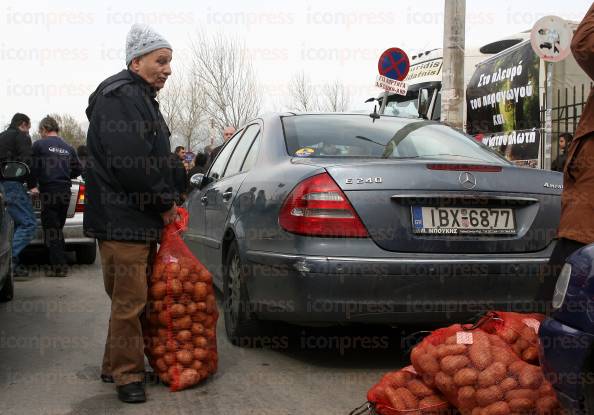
(54, 165)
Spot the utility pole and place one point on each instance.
(452, 93)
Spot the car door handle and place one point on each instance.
(227, 195)
(204, 200)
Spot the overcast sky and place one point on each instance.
(53, 54)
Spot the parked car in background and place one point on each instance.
(338, 218)
(567, 336)
(8, 170)
(84, 247)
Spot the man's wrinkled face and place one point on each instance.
(181, 154)
(154, 67)
(228, 133)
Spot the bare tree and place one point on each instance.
(302, 93)
(70, 129)
(224, 70)
(182, 105)
(335, 97)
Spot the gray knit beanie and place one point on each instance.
(142, 39)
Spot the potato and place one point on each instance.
(184, 336)
(410, 401)
(497, 408)
(508, 334)
(546, 405)
(444, 350)
(188, 377)
(200, 354)
(160, 364)
(546, 389)
(530, 354)
(487, 396)
(175, 286)
(531, 377)
(480, 355)
(521, 405)
(172, 267)
(492, 375)
(395, 400)
(453, 363)
(508, 384)
(428, 364)
(169, 359)
(416, 352)
(529, 334)
(503, 355)
(184, 357)
(517, 367)
(177, 310)
(200, 291)
(466, 377)
(452, 340)
(445, 383)
(431, 401)
(397, 379)
(158, 290)
(466, 397)
(418, 388)
(477, 411)
(521, 394)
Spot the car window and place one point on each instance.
(241, 150)
(347, 135)
(252, 156)
(218, 167)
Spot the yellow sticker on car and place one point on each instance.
(304, 152)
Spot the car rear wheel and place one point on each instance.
(7, 291)
(86, 254)
(241, 325)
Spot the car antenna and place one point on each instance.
(374, 115)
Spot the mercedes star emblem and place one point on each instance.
(467, 180)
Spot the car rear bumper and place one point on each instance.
(427, 289)
(73, 232)
(565, 353)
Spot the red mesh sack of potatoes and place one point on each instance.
(520, 331)
(479, 374)
(404, 392)
(180, 332)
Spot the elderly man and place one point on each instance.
(227, 134)
(130, 196)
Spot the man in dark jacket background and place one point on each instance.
(179, 174)
(15, 145)
(130, 196)
(54, 164)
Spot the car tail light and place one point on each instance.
(318, 207)
(80, 199)
(465, 167)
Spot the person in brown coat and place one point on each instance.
(576, 228)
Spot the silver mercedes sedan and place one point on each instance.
(338, 218)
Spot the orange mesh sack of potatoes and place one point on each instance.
(479, 374)
(404, 392)
(180, 332)
(520, 331)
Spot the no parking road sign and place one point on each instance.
(393, 66)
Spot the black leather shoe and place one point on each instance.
(131, 393)
(106, 378)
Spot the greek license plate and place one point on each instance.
(462, 221)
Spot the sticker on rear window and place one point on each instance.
(304, 152)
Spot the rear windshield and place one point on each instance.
(340, 135)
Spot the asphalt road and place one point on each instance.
(51, 343)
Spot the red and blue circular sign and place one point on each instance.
(394, 64)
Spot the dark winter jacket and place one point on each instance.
(54, 164)
(15, 146)
(129, 180)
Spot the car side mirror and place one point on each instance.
(197, 180)
(423, 103)
(13, 170)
